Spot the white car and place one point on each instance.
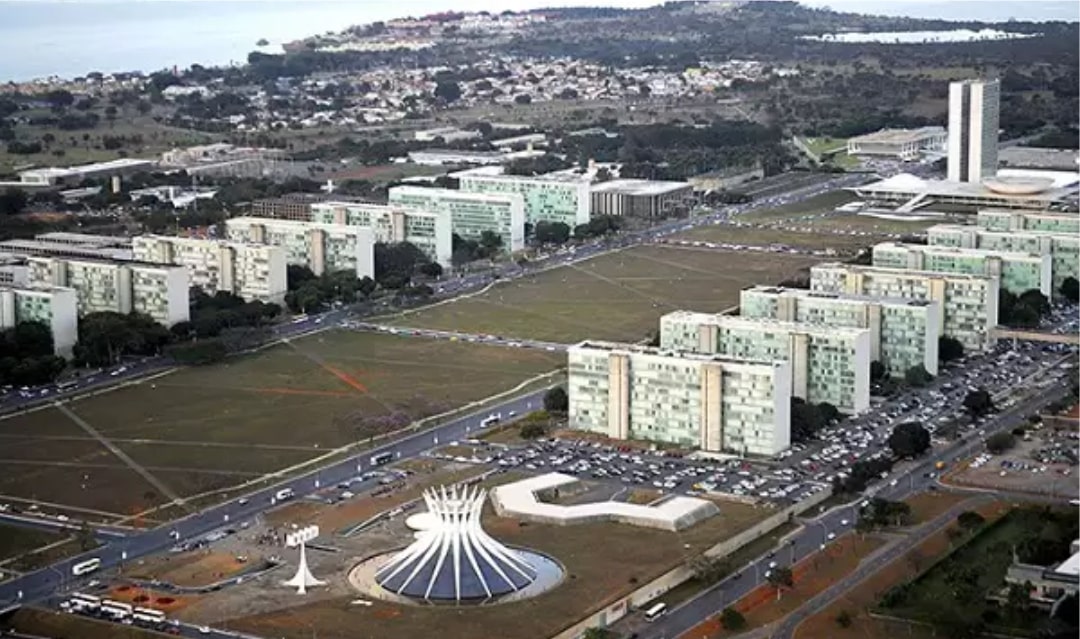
(844, 522)
(831, 536)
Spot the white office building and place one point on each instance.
(470, 213)
(428, 231)
(158, 291)
(322, 248)
(974, 107)
(968, 303)
(55, 307)
(707, 402)
(251, 271)
(828, 363)
(903, 333)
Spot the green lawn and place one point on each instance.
(824, 144)
(823, 203)
(16, 540)
(617, 296)
(208, 428)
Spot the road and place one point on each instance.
(815, 533)
(43, 583)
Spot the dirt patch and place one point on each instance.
(192, 569)
(150, 598)
(928, 505)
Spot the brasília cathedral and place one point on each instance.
(452, 559)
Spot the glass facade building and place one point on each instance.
(1063, 248)
(430, 232)
(251, 271)
(627, 391)
(1018, 272)
(828, 363)
(903, 333)
(968, 303)
(55, 307)
(320, 247)
(470, 213)
(546, 198)
(156, 290)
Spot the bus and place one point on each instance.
(116, 609)
(148, 616)
(84, 603)
(381, 458)
(283, 494)
(83, 567)
(656, 611)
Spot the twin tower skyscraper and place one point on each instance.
(974, 118)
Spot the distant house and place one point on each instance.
(1048, 584)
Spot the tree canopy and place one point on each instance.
(909, 439)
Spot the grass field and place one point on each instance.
(203, 429)
(825, 144)
(597, 573)
(16, 540)
(44, 623)
(617, 296)
(823, 203)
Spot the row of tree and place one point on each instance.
(26, 355)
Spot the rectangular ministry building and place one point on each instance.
(252, 271)
(1018, 272)
(547, 199)
(470, 213)
(320, 247)
(828, 363)
(159, 291)
(903, 332)
(1063, 248)
(56, 308)
(1018, 221)
(626, 391)
(428, 231)
(968, 303)
(641, 198)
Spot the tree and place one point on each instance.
(532, 430)
(85, 537)
(844, 619)
(431, 269)
(949, 348)
(780, 578)
(909, 439)
(970, 520)
(877, 371)
(551, 232)
(1000, 442)
(448, 91)
(523, 98)
(709, 570)
(556, 400)
(1070, 289)
(12, 201)
(732, 619)
(978, 402)
(917, 376)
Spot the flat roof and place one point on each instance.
(498, 198)
(1070, 566)
(899, 136)
(639, 349)
(38, 245)
(901, 272)
(87, 239)
(762, 323)
(908, 186)
(1038, 158)
(108, 261)
(978, 230)
(938, 249)
(296, 224)
(519, 499)
(837, 297)
(121, 163)
(639, 187)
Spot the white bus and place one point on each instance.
(656, 611)
(283, 494)
(116, 609)
(148, 616)
(83, 567)
(80, 602)
(381, 458)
